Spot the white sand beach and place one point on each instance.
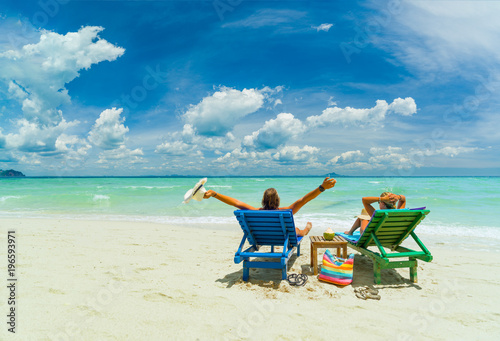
(109, 280)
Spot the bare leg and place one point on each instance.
(354, 227)
(304, 231)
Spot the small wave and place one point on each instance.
(4, 198)
(100, 197)
(150, 187)
(220, 186)
(373, 182)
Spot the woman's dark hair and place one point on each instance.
(271, 199)
(388, 204)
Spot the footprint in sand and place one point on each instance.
(88, 310)
(157, 297)
(55, 291)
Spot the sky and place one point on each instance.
(241, 87)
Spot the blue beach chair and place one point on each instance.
(266, 228)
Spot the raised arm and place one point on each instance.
(228, 200)
(402, 201)
(393, 198)
(296, 206)
(367, 203)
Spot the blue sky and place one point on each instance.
(249, 87)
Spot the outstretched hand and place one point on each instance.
(210, 193)
(328, 183)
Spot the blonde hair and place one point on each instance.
(270, 199)
(390, 205)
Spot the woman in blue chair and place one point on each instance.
(271, 201)
(386, 201)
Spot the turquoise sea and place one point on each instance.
(462, 207)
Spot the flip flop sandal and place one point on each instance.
(301, 280)
(372, 296)
(371, 291)
(292, 279)
(360, 294)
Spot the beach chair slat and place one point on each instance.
(391, 224)
(410, 229)
(374, 228)
(268, 218)
(400, 219)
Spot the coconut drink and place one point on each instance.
(329, 234)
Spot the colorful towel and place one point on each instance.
(350, 238)
(336, 270)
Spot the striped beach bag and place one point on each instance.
(336, 270)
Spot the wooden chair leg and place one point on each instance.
(413, 271)
(314, 258)
(312, 254)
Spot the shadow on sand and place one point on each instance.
(362, 276)
(266, 278)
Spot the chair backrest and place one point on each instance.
(391, 227)
(267, 227)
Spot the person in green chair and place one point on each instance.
(271, 201)
(386, 201)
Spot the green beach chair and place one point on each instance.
(388, 229)
(271, 228)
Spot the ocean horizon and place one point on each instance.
(246, 176)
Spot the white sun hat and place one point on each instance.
(196, 192)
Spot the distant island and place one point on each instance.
(11, 172)
(335, 175)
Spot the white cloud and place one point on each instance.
(36, 74)
(356, 166)
(27, 159)
(218, 113)
(108, 132)
(72, 147)
(443, 36)
(240, 158)
(188, 142)
(331, 102)
(121, 156)
(453, 151)
(295, 154)
(390, 157)
(404, 107)
(35, 138)
(175, 148)
(323, 27)
(243, 160)
(268, 17)
(275, 132)
(347, 157)
(374, 116)
(394, 158)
